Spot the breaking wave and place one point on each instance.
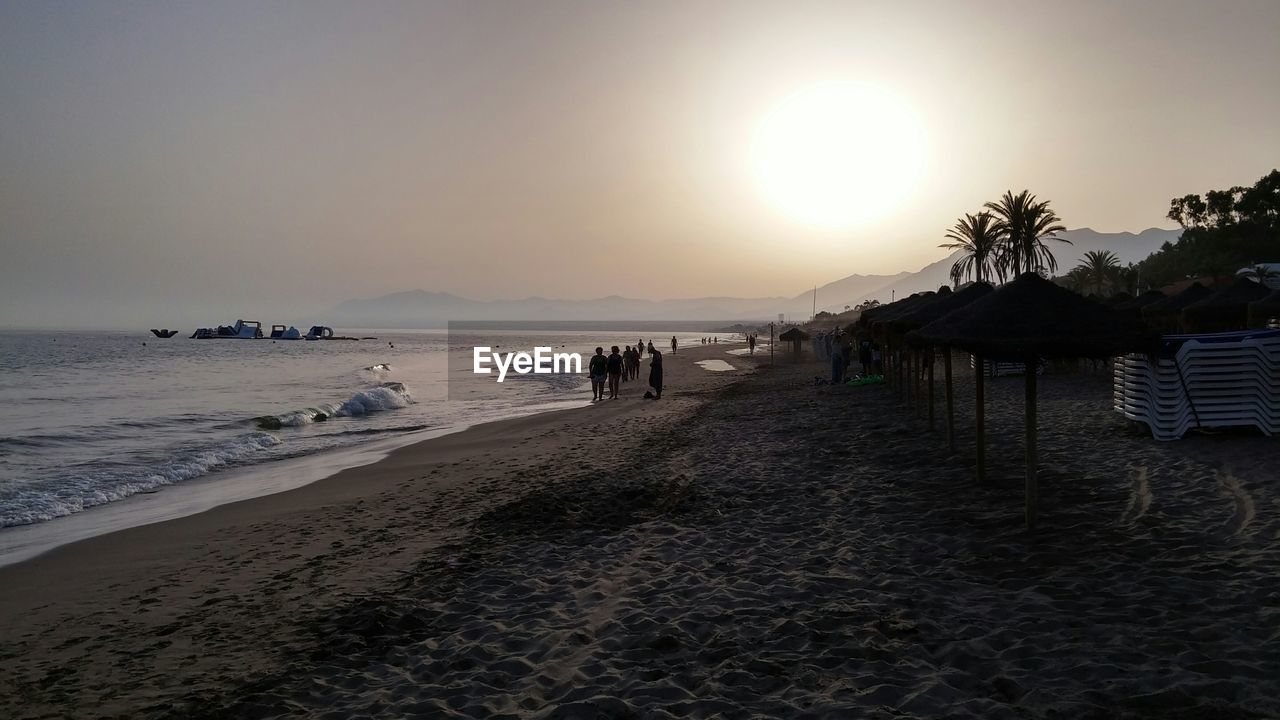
(387, 396)
(77, 491)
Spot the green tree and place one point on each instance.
(1222, 231)
(980, 240)
(1025, 224)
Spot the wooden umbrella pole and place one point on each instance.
(1033, 489)
(929, 360)
(906, 370)
(951, 407)
(917, 378)
(979, 419)
(886, 359)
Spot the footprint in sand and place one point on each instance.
(1244, 506)
(1139, 497)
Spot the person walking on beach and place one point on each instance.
(614, 365)
(673, 344)
(751, 344)
(639, 347)
(837, 364)
(598, 369)
(655, 372)
(649, 348)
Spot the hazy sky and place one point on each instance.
(170, 163)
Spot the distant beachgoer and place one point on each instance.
(626, 363)
(655, 372)
(837, 365)
(614, 366)
(751, 344)
(673, 344)
(640, 346)
(649, 348)
(716, 340)
(599, 370)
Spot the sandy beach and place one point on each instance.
(750, 545)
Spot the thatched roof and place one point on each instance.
(1143, 300)
(1033, 317)
(893, 310)
(793, 334)
(1225, 309)
(940, 305)
(1260, 311)
(1118, 299)
(1173, 304)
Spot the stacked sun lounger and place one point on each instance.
(1001, 369)
(1202, 381)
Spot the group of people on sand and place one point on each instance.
(713, 340)
(621, 366)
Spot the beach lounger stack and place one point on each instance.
(1202, 381)
(1004, 369)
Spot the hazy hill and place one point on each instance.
(423, 309)
(1130, 247)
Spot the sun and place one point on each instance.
(839, 155)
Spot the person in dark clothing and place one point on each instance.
(599, 370)
(614, 365)
(655, 372)
(864, 357)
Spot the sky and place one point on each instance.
(164, 163)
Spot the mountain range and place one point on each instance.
(424, 309)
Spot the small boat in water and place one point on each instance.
(242, 330)
(165, 333)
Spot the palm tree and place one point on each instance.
(1026, 224)
(1099, 266)
(979, 238)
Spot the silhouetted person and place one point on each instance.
(673, 344)
(599, 370)
(614, 365)
(655, 371)
(649, 348)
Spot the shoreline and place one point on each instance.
(135, 583)
(22, 543)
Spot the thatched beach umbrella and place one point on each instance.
(942, 306)
(1143, 300)
(1263, 311)
(876, 321)
(1166, 314)
(1118, 299)
(867, 324)
(796, 337)
(1226, 309)
(1032, 318)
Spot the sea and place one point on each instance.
(107, 430)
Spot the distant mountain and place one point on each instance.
(1130, 248)
(423, 309)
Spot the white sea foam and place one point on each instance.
(384, 397)
(78, 491)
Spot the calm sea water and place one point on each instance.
(94, 418)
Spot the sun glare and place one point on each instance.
(838, 155)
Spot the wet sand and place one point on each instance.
(751, 545)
